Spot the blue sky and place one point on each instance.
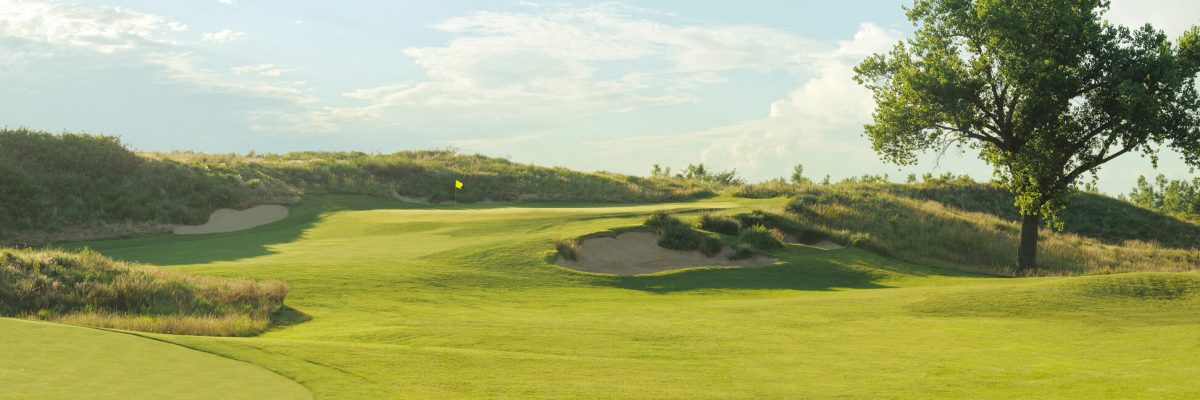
(753, 85)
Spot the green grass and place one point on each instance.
(465, 302)
(48, 361)
(60, 187)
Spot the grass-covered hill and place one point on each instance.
(86, 288)
(97, 187)
(431, 301)
(975, 227)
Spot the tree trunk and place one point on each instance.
(1027, 253)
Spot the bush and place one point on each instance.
(719, 224)
(741, 251)
(568, 249)
(763, 238)
(710, 246)
(679, 237)
(766, 190)
(660, 220)
(94, 290)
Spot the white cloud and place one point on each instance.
(492, 143)
(261, 70)
(822, 119)
(225, 1)
(555, 61)
(223, 36)
(102, 29)
(182, 68)
(44, 30)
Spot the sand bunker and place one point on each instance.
(230, 220)
(635, 253)
(827, 245)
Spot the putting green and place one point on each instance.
(50, 361)
(413, 301)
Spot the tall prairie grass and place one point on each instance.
(967, 233)
(87, 288)
(94, 184)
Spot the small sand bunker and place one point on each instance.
(230, 220)
(827, 245)
(633, 253)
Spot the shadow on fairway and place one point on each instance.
(800, 268)
(171, 249)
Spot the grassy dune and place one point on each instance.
(463, 302)
(974, 227)
(86, 288)
(61, 187)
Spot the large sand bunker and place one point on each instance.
(230, 220)
(633, 253)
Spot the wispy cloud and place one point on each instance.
(223, 36)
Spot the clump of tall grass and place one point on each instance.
(967, 227)
(741, 251)
(568, 249)
(679, 237)
(762, 238)
(90, 289)
(720, 224)
(710, 246)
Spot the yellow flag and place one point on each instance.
(457, 184)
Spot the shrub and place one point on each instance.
(660, 220)
(761, 237)
(710, 246)
(679, 237)
(766, 190)
(568, 249)
(741, 251)
(91, 289)
(719, 224)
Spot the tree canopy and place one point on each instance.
(1045, 90)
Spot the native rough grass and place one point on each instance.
(86, 288)
(61, 187)
(973, 227)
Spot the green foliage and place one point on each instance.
(1168, 196)
(720, 224)
(710, 246)
(762, 238)
(973, 227)
(660, 219)
(679, 237)
(53, 181)
(766, 190)
(1045, 91)
(798, 175)
(568, 249)
(741, 251)
(91, 289)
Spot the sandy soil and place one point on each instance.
(635, 253)
(230, 220)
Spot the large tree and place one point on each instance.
(1045, 90)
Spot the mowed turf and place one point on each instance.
(50, 361)
(465, 302)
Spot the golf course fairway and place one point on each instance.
(69, 362)
(465, 301)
